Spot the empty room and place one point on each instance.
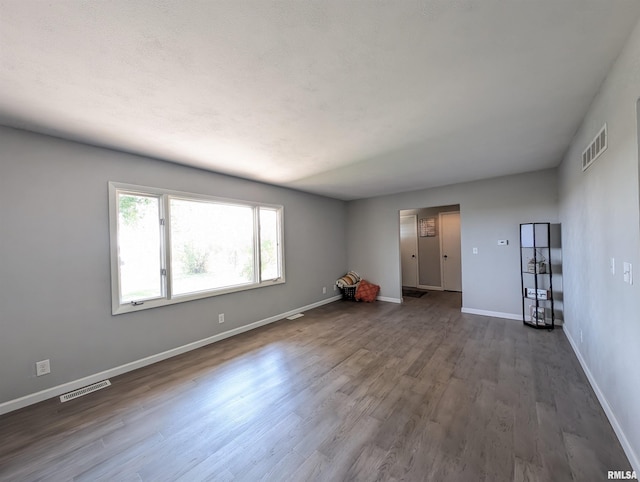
(332, 240)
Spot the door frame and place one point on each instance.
(415, 223)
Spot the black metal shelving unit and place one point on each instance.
(536, 276)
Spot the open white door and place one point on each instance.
(409, 250)
(451, 251)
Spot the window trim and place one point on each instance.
(164, 196)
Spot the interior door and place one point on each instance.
(409, 250)
(451, 252)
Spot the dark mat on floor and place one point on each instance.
(413, 293)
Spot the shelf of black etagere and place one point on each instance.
(536, 278)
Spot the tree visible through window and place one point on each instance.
(211, 245)
(139, 247)
(172, 247)
(269, 258)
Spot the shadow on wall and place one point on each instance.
(555, 242)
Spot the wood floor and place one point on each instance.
(351, 391)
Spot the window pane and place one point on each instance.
(211, 245)
(269, 252)
(139, 247)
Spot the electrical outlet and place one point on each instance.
(221, 318)
(475, 250)
(324, 290)
(43, 367)
(335, 287)
(612, 265)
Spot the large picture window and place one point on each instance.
(168, 246)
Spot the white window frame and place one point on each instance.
(167, 297)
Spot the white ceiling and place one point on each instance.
(345, 98)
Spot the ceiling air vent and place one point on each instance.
(595, 148)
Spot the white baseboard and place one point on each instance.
(499, 314)
(634, 460)
(389, 300)
(493, 314)
(30, 399)
(432, 288)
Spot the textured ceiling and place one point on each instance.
(345, 98)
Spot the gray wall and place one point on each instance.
(54, 261)
(489, 210)
(600, 220)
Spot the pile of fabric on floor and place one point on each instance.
(354, 288)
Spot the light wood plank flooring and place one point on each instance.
(350, 391)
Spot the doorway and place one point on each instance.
(430, 248)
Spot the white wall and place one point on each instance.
(600, 220)
(490, 210)
(55, 294)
